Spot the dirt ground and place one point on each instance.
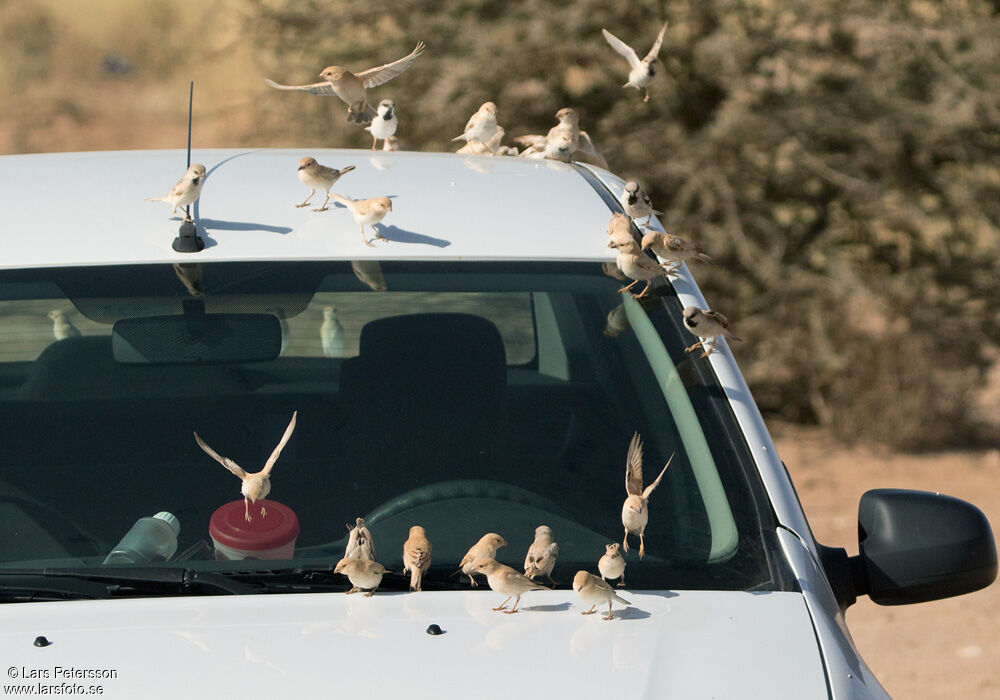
(943, 649)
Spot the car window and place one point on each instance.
(463, 397)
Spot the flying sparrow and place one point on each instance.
(481, 127)
(612, 564)
(504, 579)
(638, 266)
(62, 327)
(635, 511)
(318, 177)
(707, 325)
(364, 574)
(542, 553)
(593, 589)
(384, 123)
(351, 87)
(636, 202)
(641, 72)
(673, 249)
(485, 548)
(568, 126)
(331, 333)
(186, 191)
(416, 556)
(367, 212)
(370, 273)
(255, 486)
(360, 544)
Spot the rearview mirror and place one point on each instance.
(196, 338)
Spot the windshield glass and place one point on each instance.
(463, 397)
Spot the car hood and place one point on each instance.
(667, 644)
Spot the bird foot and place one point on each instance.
(322, 209)
(609, 616)
(705, 354)
(304, 204)
(369, 594)
(473, 583)
(500, 607)
(355, 589)
(588, 612)
(642, 551)
(508, 612)
(263, 512)
(368, 243)
(621, 584)
(248, 518)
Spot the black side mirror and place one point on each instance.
(917, 546)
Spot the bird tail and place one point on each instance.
(348, 169)
(366, 114)
(460, 137)
(347, 203)
(620, 599)
(415, 576)
(156, 199)
(733, 337)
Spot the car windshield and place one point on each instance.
(465, 397)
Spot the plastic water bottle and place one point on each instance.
(150, 539)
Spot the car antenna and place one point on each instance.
(187, 240)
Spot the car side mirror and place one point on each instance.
(917, 546)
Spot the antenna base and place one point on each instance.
(188, 240)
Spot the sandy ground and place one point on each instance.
(943, 649)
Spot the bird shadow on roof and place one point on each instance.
(399, 235)
(559, 607)
(217, 225)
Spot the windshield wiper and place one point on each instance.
(104, 582)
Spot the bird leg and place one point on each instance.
(378, 235)
(246, 509)
(472, 582)
(325, 201)
(644, 292)
(642, 546)
(263, 511)
(306, 202)
(700, 343)
(609, 616)
(591, 611)
(370, 593)
(644, 99)
(514, 609)
(621, 584)
(711, 348)
(625, 541)
(354, 589)
(503, 605)
(625, 289)
(363, 237)
(374, 142)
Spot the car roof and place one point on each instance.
(89, 208)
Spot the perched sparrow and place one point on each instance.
(504, 579)
(391, 143)
(364, 574)
(360, 544)
(331, 333)
(190, 276)
(62, 327)
(255, 486)
(635, 511)
(592, 589)
(707, 325)
(620, 231)
(370, 273)
(186, 191)
(318, 177)
(673, 249)
(612, 564)
(637, 266)
(482, 126)
(641, 72)
(636, 202)
(416, 556)
(568, 126)
(617, 322)
(351, 87)
(367, 212)
(487, 148)
(556, 147)
(542, 553)
(485, 548)
(384, 123)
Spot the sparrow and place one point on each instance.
(707, 325)
(62, 327)
(641, 72)
(360, 544)
(673, 249)
(635, 511)
(569, 126)
(557, 147)
(612, 271)
(391, 143)
(255, 486)
(190, 276)
(636, 202)
(384, 123)
(416, 556)
(620, 231)
(638, 266)
(370, 273)
(486, 148)
(616, 323)
(542, 553)
(318, 177)
(481, 127)
(504, 579)
(594, 590)
(364, 574)
(485, 548)
(612, 564)
(367, 212)
(331, 333)
(351, 87)
(186, 191)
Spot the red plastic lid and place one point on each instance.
(229, 527)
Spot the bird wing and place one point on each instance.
(532, 140)
(633, 466)
(717, 317)
(277, 450)
(224, 461)
(652, 486)
(622, 48)
(587, 146)
(654, 52)
(419, 555)
(383, 74)
(324, 88)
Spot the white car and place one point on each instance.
(461, 374)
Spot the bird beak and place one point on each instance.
(301, 167)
